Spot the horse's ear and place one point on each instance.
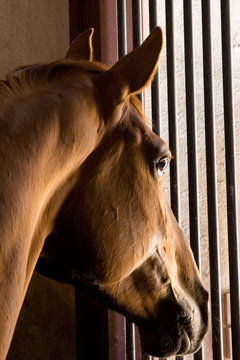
(135, 70)
(81, 47)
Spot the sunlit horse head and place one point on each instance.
(82, 187)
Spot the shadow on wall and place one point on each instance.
(46, 326)
(37, 31)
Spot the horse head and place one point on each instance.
(115, 230)
(82, 169)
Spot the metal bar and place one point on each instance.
(137, 27)
(122, 50)
(230, 176)
(155, 98)
(152, 14)
(216, 313)
(138, 348)
(191, 138)
(122, 28)
(172, 106)
(137, 22)
(191, 133)
(137, 40)
(130, 340)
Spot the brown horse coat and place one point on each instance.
(80, 167)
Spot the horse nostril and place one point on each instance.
(184, 319)
(164, 278)
(180, 318)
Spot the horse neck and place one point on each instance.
(43, 140)
(41, 148)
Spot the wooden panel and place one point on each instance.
(83, 15)
(91, 328)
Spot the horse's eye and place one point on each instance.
(161, 166)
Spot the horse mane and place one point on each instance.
(26, 78)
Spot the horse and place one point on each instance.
(82, 196)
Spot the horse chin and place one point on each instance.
(173, 332)
(160, 344)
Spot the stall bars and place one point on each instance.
(118, 28)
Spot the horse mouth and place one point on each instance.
(187, 334)
(177, 341)
(185, 343)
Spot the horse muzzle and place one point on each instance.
(178, 340)
(178, 331)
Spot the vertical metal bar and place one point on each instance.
(137, 40)
(138, 348)
(217, 343)
(155, 91)
(137, 22)
(122, 28)
(230, 175)
(191, 133)
(191, 137)
(130, 340)
(172, 106)
(122, 50)
(172, 110)
(137, 27)
(155, 83)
